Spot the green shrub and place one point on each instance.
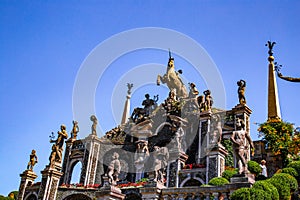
(218, 181)
(229, 173)
(285, 184)
(296, 166)
(259, 194)
(254, 167)
(241, 194)
(267, 187)
(291, 171)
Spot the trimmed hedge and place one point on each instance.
(291, 171)
(229, 173)
(296, 166)
(241, 194)
(268, 188)
(285, 184)
(254, 167)
(259, 194)
(218, 181)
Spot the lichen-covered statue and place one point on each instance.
(114, 169)
(172, 79)
(242, 144)
(57, 147)
(93, 118)
(32, 161)
(241, 91)
(208, 100)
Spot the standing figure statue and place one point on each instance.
(216, 127)
(140, 158)
(161, 157)
(172, 79)
(242, 144)
(192, 101)
(208, 100)
(93, 118)
(149, 104)
(241, 91)
(75, 130)
(57, 147)
(33, 160)
(114, 169)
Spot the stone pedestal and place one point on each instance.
(151, 190)
(50, 181)
(215, 161)
(109, 192)
(243, 178)
(175, 164)
(27, 179)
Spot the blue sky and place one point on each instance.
(43, 45)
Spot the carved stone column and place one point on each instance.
(175, 164)
(50, 181)
(27, 179)
(215, 162)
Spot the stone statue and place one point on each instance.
(149, 104)
(241, 91)
(208, 100)
(172, 79)
(141, 156)
(57, 147)
(192, 103)
(129, 86)
(201, 103)
(93, 118)
(241, 145)
(114, 169)
(161, 156)
(287, 78)
(270, 45)
(216, 127)
(32, 161)
(75, 130)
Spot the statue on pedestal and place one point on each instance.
(216, 127)
(93, 118)
(140, 158)
(32, 161)
(208, 100)
(57, 147)
(114, 169)
(75, 130)
(161, 156)
(241, 146)
(241, 91)
(172, 79)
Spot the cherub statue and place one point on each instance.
(33, 160)
(241, 91)
(75, 130)
(57, 148)
(241, 145)
(93, 118)
(114, 169)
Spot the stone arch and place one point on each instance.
(190, 179)
(77, 197)
(31, 196)
(72, 166)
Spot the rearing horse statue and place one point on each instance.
(172, 79)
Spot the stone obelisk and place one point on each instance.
(126, 112)
(273, 101)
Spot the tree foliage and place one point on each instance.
(267, 187)
(229, 173)
(228, 146)
(281, 138)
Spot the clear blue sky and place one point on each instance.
(44, 44)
